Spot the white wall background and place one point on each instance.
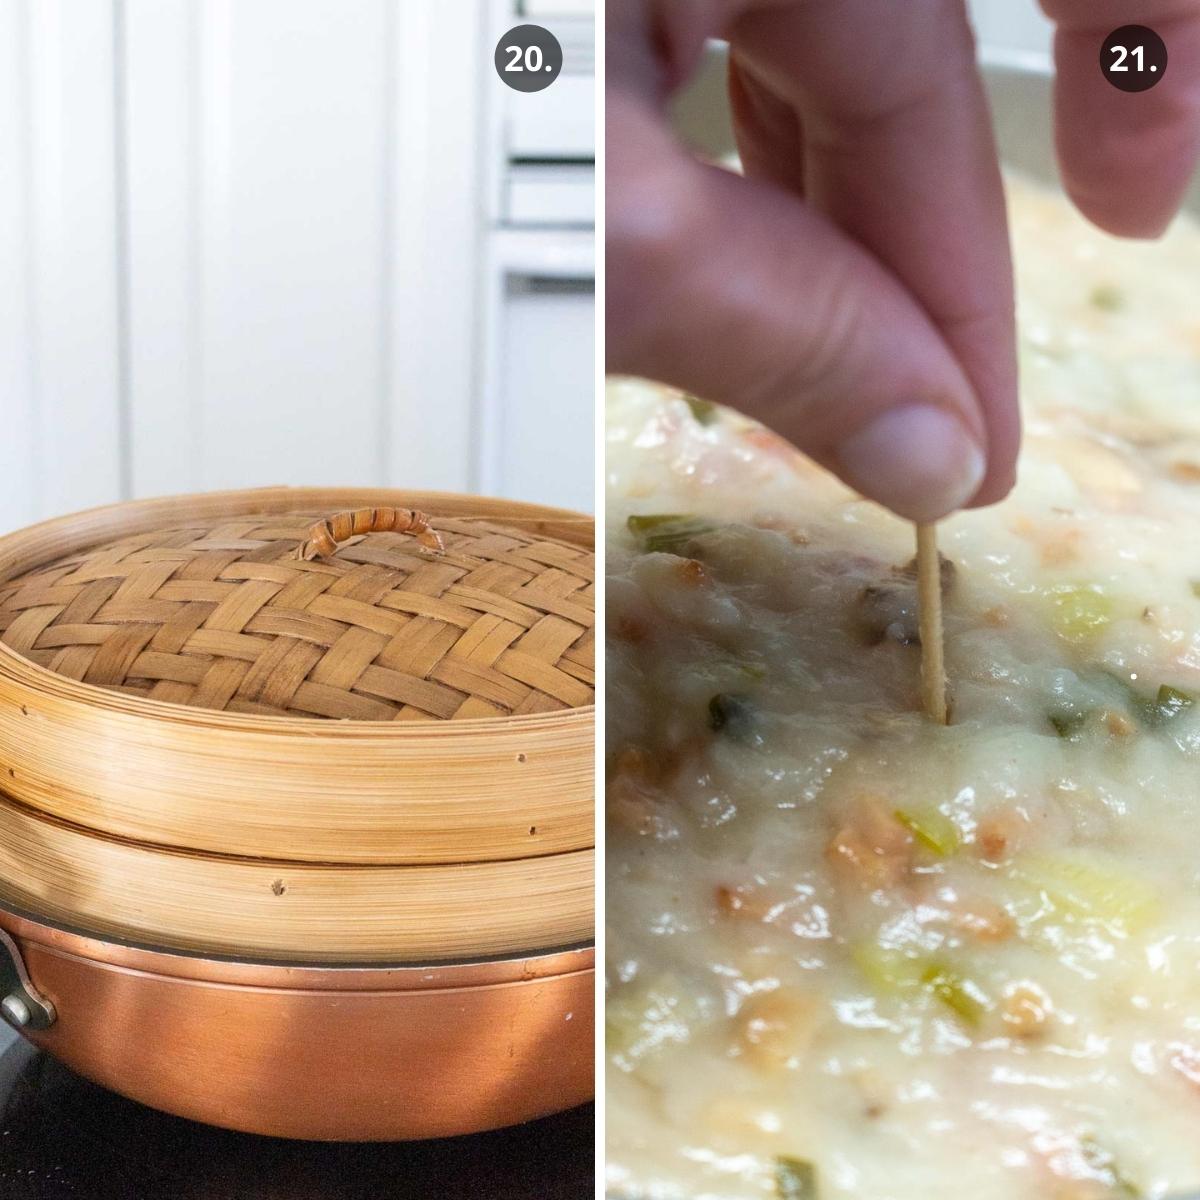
(245, 242)
(1011, 26)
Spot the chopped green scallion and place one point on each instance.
(1103, 1163)
(890, 972)
(958, 994)
(667, 533)
(934, 830)
(1068, 725)
(1107, 297)
(1167, 705)
(1080, 613)
(732, 715)
(1088, 885)
(795, 1179)
(705, 411)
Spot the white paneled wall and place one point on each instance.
(18, 415)
(242, 242)
(258, 151)
(62, 427)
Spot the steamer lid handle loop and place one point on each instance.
(326, 535)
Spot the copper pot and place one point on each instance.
(347, 1053)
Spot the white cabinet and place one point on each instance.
(536, 413)
(537, 416)
(544, 449)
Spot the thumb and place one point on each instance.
(739, 292)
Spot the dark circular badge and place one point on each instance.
(1133, 58)
(528, 58)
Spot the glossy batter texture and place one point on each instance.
(857, 956)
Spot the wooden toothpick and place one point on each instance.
(929, 616)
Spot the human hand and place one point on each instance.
(854, 290)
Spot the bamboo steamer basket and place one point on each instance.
(169, 695)
(289, 922)
(288, 911)
(198, 647)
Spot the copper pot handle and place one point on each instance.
(21, 1005)
(324, 536)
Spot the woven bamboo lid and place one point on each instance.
(239, 674)
(370, 615)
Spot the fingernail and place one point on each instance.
(918, 460)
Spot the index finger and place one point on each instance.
(899, 153)
(1126, 157)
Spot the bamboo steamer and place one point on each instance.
(238, 724)
(292, 911)
(500, 768)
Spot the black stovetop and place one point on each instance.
(62, 1138)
